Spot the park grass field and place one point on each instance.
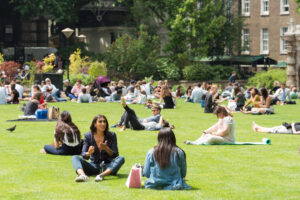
(214, 172)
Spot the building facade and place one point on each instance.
(265, 22)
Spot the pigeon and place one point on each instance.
(11, 129)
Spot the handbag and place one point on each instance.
(134, 178)
(53, 113)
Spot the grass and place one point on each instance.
(214, 172)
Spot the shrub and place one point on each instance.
(167, 70)
(77, 62)
(204, 72)
(267, 78)
(49, 63)
(1, 58)
(85, 79)
(10, 68)
(97, 68)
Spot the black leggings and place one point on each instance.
(129, 119)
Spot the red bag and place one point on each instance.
(134, 178)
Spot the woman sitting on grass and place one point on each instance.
(165, 165)
(166, 96)
(222, 132)
(66, 137)
(285, 128)
(100, 145)
(33, 104)
(254, 99)
(264, 107)
(129, 119)
(14, 95)
(238, 102)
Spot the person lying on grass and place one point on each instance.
(285, 128)
(99, 145)
(129, 119)
(66, 137)
(223, 132)
(165, 164)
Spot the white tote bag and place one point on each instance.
(134, 178)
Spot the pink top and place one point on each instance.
(77, 90)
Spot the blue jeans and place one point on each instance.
(56, 95)
(63, 150)
(72, 96)
(91, 168)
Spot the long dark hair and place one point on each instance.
(93, 127)
(65, 126)
(264, 93)
(165, 147)
(256, 92)
(236, 89)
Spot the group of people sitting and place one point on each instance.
(250, 101)
(165, 164)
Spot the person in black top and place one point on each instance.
(33, 104)
(275, 88)
(166, 96)
(68, 88)
(99, 145)
(14, 95)
(210, 102)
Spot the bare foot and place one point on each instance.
(123, 101)
(42, 151)
(254, 127)
(123, 128)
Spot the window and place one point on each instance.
(246, 7)
(245, 41)
(284, 7)
(283, 43)
(264, 7)
(264, 49)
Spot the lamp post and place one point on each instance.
(68, 32)
(81, 38)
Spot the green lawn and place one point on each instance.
(214, 172)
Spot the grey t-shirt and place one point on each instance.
(30, 108)
(154, 118)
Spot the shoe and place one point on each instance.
(99, 178)
(114, 126)
(82, 178)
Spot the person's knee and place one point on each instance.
(121, 160)
(75, 158)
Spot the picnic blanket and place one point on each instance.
(265, 141)
(30, 118)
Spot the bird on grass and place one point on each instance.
(11, 129)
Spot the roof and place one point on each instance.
(240, 60)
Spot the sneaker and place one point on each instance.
(82, 178)
(99, 178)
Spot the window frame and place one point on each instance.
(262, 42)
(262, 6)
(246, 48)
(282, 41)
(282, 6)
(247, 14)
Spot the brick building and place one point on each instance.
(265, 22)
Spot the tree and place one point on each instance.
(59, 10)
(132, 57)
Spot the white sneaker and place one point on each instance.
(82, 178)
(99, 178)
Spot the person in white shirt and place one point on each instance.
(19, 88)
(48, 85)
(282, 93)
(197, 94)
(84, 97)
(148, 88)
(223, 132)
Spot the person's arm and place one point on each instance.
(288, 94)
(112, 151)
(73, 89)
(294, 129)
(90, 99)
(212, 129)
(268, 103)
(87, 149)
(79, 99)
(148, 163)
(224, 132)
(182, 163)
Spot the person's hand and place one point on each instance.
(91, 150)
(103, 146)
